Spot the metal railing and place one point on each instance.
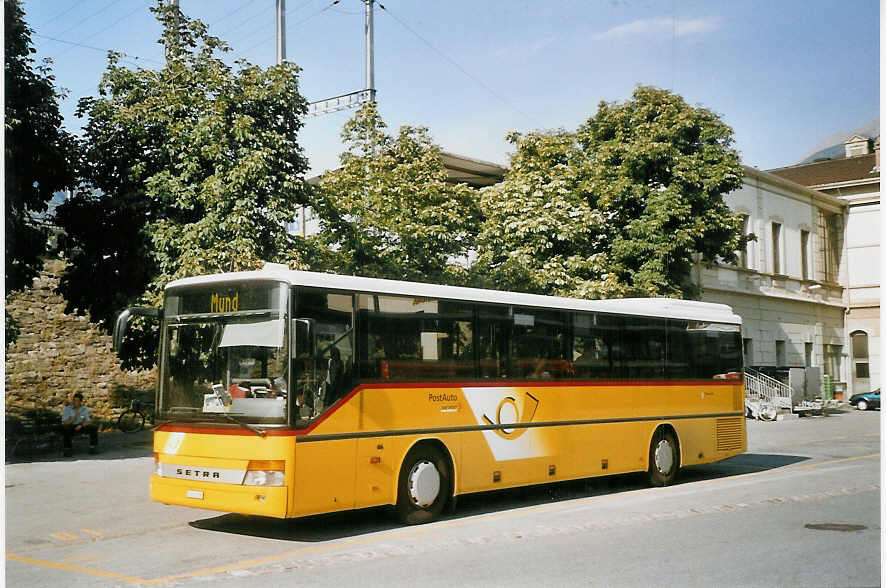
(764, 395)
(774, 390)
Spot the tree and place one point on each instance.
(39, 153)
(389, 211)
(621, 207)
(189, 169)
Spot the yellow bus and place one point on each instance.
(287, 393)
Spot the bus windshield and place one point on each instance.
(227, 364)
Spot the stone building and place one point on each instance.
(854, 179)
(789, 284)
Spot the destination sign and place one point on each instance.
(223, 298)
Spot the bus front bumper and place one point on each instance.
(267, 501)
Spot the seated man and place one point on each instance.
(75, 419)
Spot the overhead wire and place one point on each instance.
(262, 12)
(93, 15)
(265, 25)
(94, 48)
(455, 64)
(100, 31)
(232, 13)
(294, 25)
(124, 57)
(74, 5)
(340, 11)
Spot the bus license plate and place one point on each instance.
(195, 494)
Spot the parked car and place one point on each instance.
(866, 400)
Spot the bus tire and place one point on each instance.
(425, 485)
(664, 458)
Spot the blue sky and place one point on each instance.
(784, 74)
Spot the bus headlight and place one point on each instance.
(264, 473)
(263, 478)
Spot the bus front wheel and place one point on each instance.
(664, 459)
(425, 485)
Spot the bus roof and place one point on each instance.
(653, 307)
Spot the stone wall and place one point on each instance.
(57, 354)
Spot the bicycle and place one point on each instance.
(133, 418)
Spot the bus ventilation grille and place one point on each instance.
(729, 434)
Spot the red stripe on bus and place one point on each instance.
(485, 384)
(548, 384)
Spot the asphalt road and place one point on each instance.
(800, 508)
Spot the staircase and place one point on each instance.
(764, 395)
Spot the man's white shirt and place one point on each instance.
(79, 418)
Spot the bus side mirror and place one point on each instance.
(122, 325)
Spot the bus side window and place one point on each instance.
(680, 345)
(644, 348)
(540, 346)
(597, 346)
(409, 338)
(324, 346)
(491, 338)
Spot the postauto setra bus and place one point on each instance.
(288, 393)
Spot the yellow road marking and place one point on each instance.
(69, 568)
(306, 550)
(840, 460)
(80, 558)
(91, 532)
(63, 536)
(384, 536)
(807, 466)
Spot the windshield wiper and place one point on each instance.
(189, 416)
(257, 430)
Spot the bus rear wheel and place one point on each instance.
(425, 485)
(664, 459)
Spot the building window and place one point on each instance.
(776, 248)
(860, 354)
(747, 346)
(779, 354)
(743, 254)
(804, 253)
(809, 355)
(831, 244)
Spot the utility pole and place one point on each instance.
(367, 94)
(281, 31)
(370, 51)
(172, 4)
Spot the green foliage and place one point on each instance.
(39, 154)
(389, 211)
(621, 207)
(190, 169)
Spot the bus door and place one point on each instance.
(323, 369)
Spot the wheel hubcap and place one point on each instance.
(664, 456)
(424, 484)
